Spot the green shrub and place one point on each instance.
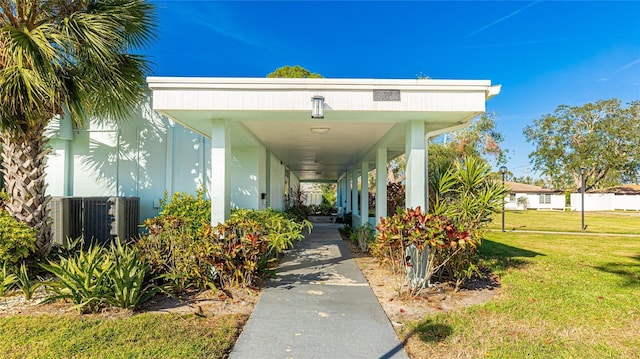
(17, 239)
(193, 211)
(298, 214)
(362, 236)
(233, 253)
(179, 255)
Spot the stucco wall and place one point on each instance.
(149, 154)
(245, 177)
(141, 157)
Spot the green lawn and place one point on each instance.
(138, 336)
(596, 222)
(562, 296)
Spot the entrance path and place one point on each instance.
(318, 306)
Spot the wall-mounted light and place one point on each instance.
(320, 130)
(317, 108)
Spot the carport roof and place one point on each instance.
(359, 114)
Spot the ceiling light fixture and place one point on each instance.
(320, 130)
(317, 108)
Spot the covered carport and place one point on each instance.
(319, 130)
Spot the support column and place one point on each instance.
(347, 194)
(262, 176)
(267, 188)
(354, 192)
(220, 172)
(364, 193)
(416, 166)
(339, 195)
(381, 183)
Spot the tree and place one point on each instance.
(294, 72)
(57, 58)
(602, 137)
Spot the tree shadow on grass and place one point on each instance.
(427, 331)
(503, 256)
(630, 272)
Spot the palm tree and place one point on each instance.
(62, 57)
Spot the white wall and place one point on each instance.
(245, 191)
(141, 157)
(149, 154)
(605, 202)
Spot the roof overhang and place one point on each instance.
(359, 114)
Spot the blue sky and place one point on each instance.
(543, 53)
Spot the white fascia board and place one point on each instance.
(156, 83)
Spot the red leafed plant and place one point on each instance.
(414, 242)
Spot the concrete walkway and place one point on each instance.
(319, 306)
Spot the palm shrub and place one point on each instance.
(59, 58)
(17, 239)
(469, 195)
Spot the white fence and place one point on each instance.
(605, 202)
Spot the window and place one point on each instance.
(512, 197)
(545, 198)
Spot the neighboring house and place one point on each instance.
(625, 198)
(525, 196)
(251, 141)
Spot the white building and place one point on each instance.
(249, 141)
(525, 196)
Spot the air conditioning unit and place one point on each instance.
(66, 215)
(106, 218)
(125, 212)
(96, 220)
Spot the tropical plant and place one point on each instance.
(233, 253)
(82, 279)
(362, 236)
(177, 254)
(24, 282)
(414, 243)
(62, 58)
(7, 279)
(129, 287)
(468, 195)
(17, 239)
